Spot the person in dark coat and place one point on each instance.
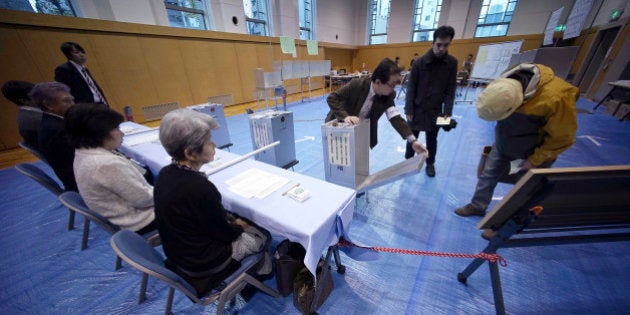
(370, 98)
(431, 92)
(54, 99)
(75, 75)
(28, 118)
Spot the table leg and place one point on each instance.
(605, 97)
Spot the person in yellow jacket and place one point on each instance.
(536, 121)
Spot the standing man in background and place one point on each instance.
(75, 75)
(432, 83)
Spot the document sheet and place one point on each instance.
(255, 183)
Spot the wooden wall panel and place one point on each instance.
(199, 70)
(122, 72)
(17, 64)
(163, 60)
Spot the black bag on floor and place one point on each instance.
(304, 290)
(289, 259)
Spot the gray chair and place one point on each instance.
(33, 151)
(43, 179)
(137, 253)
(74, 202)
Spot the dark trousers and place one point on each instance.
(431, 138)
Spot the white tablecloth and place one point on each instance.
(316, 223)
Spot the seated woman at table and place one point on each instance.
(109, 183)
(202, 241)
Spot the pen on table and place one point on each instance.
(286, 192)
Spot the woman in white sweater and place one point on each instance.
(110, 184)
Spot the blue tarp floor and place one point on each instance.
(45, 272)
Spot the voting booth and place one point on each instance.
(271, 126)
(221, 136)
(347, 158)
(346, 152)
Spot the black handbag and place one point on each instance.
(304, 288)
(289, 259)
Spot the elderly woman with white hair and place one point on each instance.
(202, 241)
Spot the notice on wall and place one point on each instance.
(576, 19)
(554, 20)
(493, 59)
(311, 47)
(287, 44)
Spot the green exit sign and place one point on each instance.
(561, 28)
(615, 14)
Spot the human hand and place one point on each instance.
(353, 120)
(420, 148)
(409, 117)
(526, 165)
(241, 223)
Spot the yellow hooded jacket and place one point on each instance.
(547, 118)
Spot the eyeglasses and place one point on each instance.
(393, 84)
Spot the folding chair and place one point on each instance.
(74, 202)
(403, 84)
(33, 151)
(136, 252)
(43, 179)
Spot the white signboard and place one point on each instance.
(576, 19)
(493, 59)
(554, 20)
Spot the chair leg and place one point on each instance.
(169, 301)
(86, 233)
(255, 282)
(143, 288)
(118, 263)
(71, 220)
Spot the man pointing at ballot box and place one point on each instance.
(370, 97)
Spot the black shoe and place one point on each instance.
(469, 210)
(430, 170)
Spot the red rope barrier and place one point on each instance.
(493, 258)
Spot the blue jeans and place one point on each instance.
(496, 166)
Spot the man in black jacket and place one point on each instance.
(431, 83)
(75, 75)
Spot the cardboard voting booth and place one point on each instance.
(221, 136)
(270, 126)
(347, 158)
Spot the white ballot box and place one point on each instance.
(271, 126)
(221, 136)
(346, 152)
(347, 158)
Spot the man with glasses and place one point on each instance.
(369, 98)
(431, 83)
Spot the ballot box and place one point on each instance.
(221, 136)
(346, 152)
(347, 158)
(271, 126)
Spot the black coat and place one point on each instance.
(68, 74)
(432, 82)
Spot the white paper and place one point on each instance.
(441, 121)
(255, 183)
(141, 138)
(515, 166)
(339, 148)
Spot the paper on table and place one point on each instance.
(441, 121)
(255, 183)
(141, 138)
